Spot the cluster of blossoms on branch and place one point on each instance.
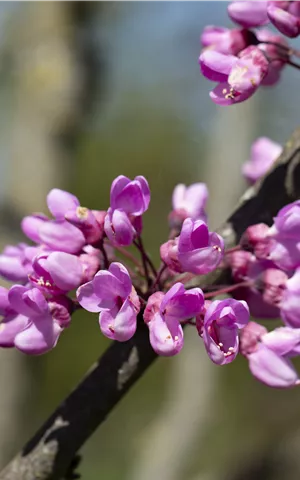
(79, 259)
(241, 59)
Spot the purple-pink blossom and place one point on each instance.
(263, 154)
(129, 199)
(56, 272)
(225, 40)
(248, 14)
(31, 324)
(112, 295)
(268, 354)
(188, 202)
(199, 251)
(16, 262)
(238, 77)
(290, 302)
(164, 313)
(221, 324)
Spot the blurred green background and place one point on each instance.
(91, 90)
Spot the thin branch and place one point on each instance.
(49, 454)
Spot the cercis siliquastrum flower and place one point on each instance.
(73, 263)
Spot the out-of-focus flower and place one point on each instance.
(16, 262)
(188, 202)
(225, 40)
(248, 14)
(263, 154)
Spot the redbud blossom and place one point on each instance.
(285, 22)
(263, 154)
(222, 321)
(56, 272)
(188, 202)
(225, 40)
(37, 331)
(16, 262)
(248, 14)
(199, 251)
(290, 305)
(131, 196)
(164, 313)
(268, 354)
(111, 293)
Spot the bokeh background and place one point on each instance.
(91, 90)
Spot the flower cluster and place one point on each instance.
(78, 250)
(242, 59)
(74, 262)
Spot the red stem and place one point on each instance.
(228, 289)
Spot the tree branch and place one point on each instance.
(49, 454)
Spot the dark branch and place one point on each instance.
(49, 454)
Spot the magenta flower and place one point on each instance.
(11, 323)
(284, 21)
(222, 321)
(268, 354)
(273, 52)
(131, 196)
(128, 201)
(199, 251)
(118, 227)
(16, 262)
(57, 272)
(256, 238)
(248, 14)
(285, 248)
(239, 77)
(65, 206)
(56, 234)
(290, 305)
(264, 295)
(225, 40)
(263, 154)
(164, 313)
(32, 328)
(188, 202)
(111, 293)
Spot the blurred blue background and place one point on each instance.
(91, 90)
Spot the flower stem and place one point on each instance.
(105, 257)
(233, 249)
(139, 244)
(129, 255)
(161, 269)
(228, 289)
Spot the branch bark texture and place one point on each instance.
(49, 454)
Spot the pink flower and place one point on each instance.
(290, 304)
(263, 154)
(31, 324)
(188, 202)
(199, 251)
(16, 262)
(130, 196)
(57, 272)
(285, 247)
(164, 313)
(222, 321)
(284, 21)
(128, 201)
(56, 234)
(264, 295)
(268, 354)
(225, 40)
(239, 77)
(274, 54)
(248, 14)
(196, 250)
(111, 293)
